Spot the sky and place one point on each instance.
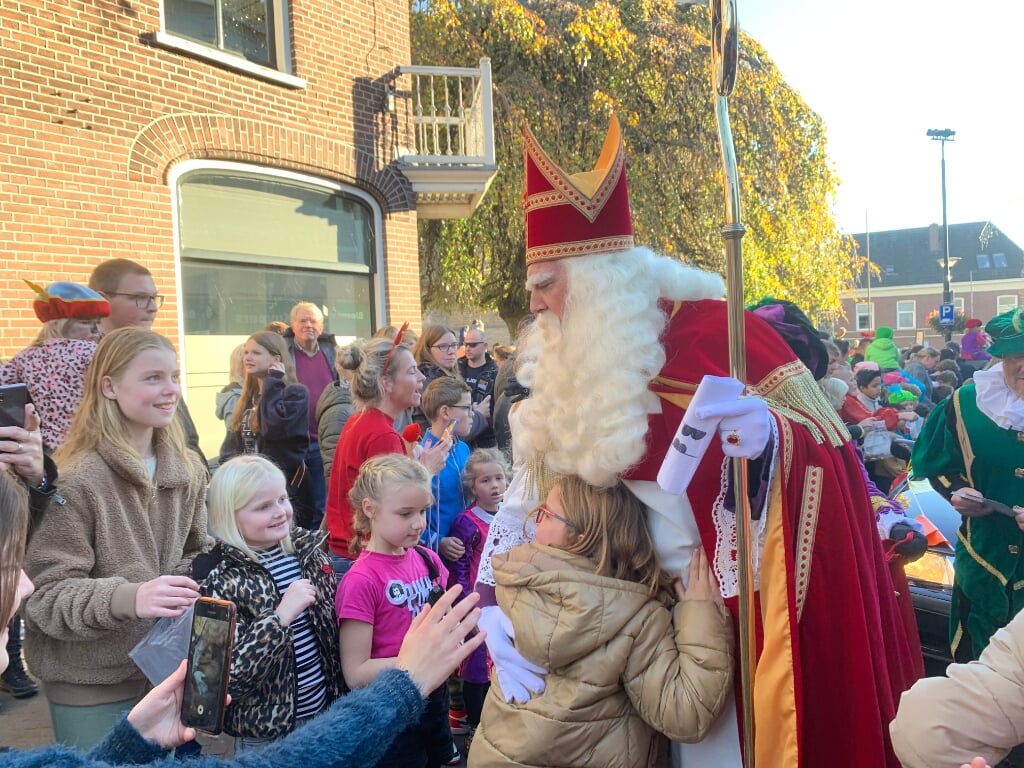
(881, 73)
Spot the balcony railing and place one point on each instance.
(450, 121)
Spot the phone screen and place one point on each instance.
(209, 665)
(13, 399)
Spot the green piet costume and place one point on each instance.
(962, 447)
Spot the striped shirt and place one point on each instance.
(312, 688)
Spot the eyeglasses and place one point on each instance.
(142, 300)
(445, 347)
(541, 512)
(466, 408)
(475, 343)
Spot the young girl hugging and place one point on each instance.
(114, 556)
(586, 599)
(272, 414)
(386, 588)
(285, 667)
(483, 480)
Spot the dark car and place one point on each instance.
(931, 577)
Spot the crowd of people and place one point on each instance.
(373, 504)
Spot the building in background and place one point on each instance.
(250, 154)
(986, 268)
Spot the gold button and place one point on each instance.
(1018, 472)
(1014, 549)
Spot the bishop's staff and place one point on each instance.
(724, 59)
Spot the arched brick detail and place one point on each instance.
(169, 139)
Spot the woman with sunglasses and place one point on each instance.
(436, 354)
(385, 381)
(587, 600)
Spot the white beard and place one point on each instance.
(589, 374)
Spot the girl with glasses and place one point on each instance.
(631, 653)
(436, 354)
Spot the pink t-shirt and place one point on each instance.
(387, 591)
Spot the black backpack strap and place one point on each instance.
(431, 565)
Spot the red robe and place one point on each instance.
(840, 648)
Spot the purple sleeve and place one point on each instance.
(465, 531)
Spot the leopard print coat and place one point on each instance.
(263, 679)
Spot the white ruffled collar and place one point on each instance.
(996, 400)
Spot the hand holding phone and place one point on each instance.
(209, 665)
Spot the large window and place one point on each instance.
(252, 243)
(906, 312)
(865, 317)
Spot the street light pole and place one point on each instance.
(943, 135)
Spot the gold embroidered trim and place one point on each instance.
(808, 525)
(579, 248)
(539, 477)
(792, 391)
(966, 541)
(787, 447)
(963, 438)
(565, 187)
(958, 635)
(1018, 585)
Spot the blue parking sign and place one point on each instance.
(946, 315)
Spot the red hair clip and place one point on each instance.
(395, 342)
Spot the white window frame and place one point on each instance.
(1005, 302)
(958, 304)
(903, 308)
(864, 309)
(280, 72)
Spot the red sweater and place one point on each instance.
(368, 433)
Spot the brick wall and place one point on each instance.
(92, 117)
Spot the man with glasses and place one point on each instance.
(130, 289)
(479, 371)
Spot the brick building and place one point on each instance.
(986, 269)
(251, 155)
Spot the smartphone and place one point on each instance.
(449, 430)
(13, 399)
(209, 665)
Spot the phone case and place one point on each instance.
(13, 399)
(209, 665)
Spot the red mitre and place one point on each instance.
(578, 214)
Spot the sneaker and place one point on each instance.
(17, 683)
(457, 720)
(454, 758)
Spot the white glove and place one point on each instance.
(519, 679)
(745, 425)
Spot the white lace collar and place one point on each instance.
(996, 400)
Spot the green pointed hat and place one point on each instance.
(1007, 333)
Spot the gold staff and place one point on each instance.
(724, 59)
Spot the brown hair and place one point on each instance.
(611, 531)
(444, 390)
(106, 277)
(364, 360)
(13, 531)
(275, 344)
(430, 336)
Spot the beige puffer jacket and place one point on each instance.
(621, 668)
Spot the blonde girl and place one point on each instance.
(285, 667)
(484, 480)
(272, 417)
(587, 601)
(386, 588)
(116, 554)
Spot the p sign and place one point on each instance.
(946, 315)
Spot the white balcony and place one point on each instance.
(448, 155)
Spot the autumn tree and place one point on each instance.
(563, 67)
